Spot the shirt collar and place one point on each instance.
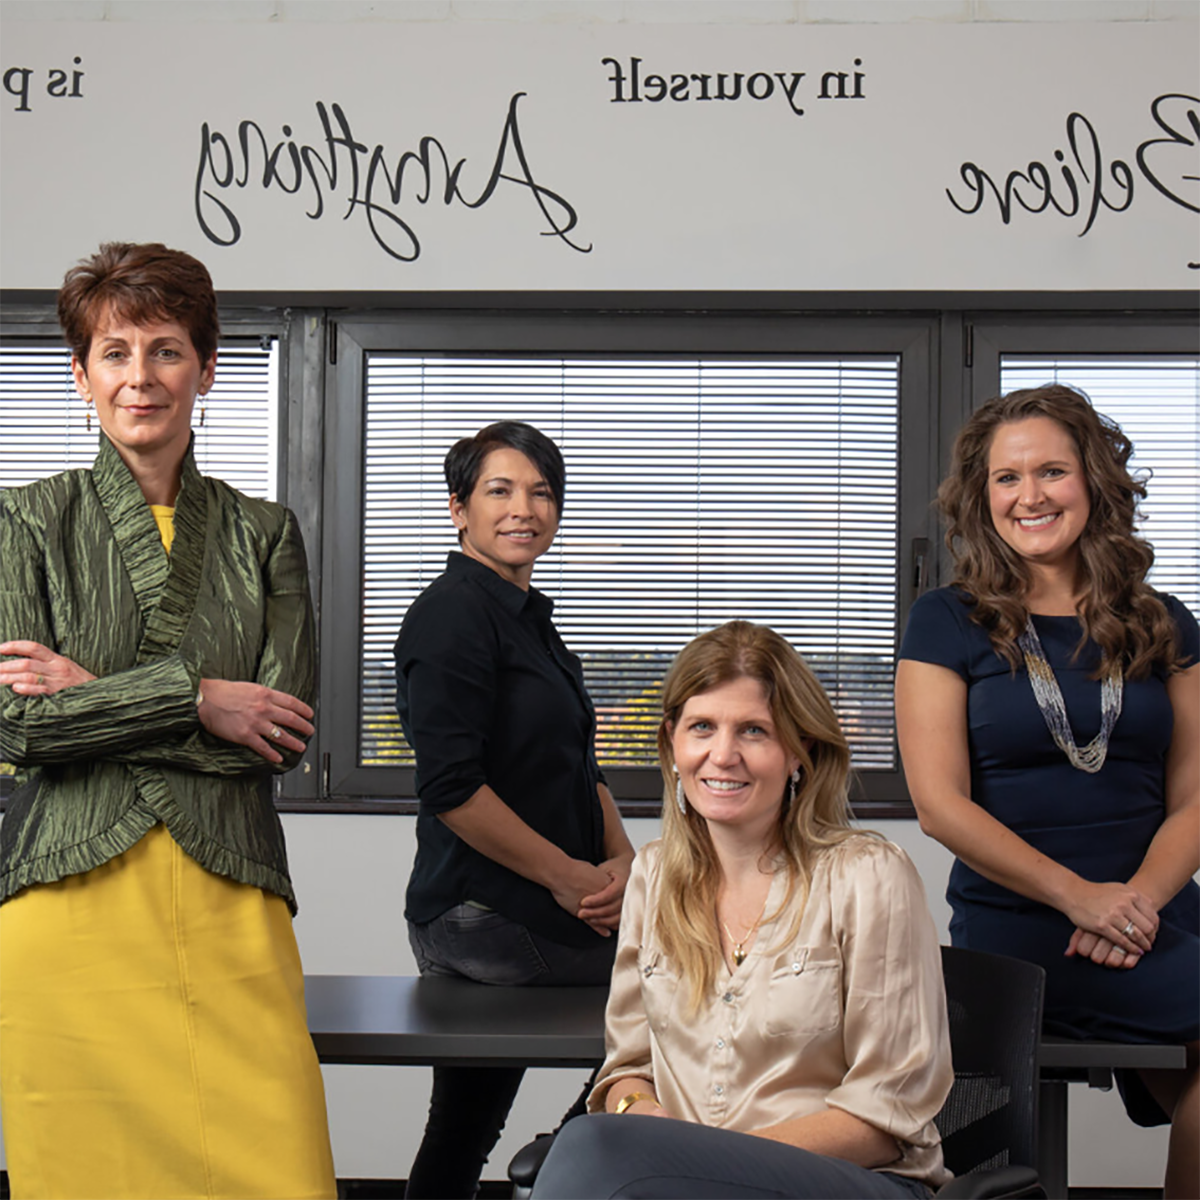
(112, 474)
(514, 599)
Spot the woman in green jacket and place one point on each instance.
(159, 669)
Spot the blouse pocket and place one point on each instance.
(660, 984)
(804, 995)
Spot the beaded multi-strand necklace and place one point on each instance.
(1054, 710)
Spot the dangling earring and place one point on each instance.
(793, 784)
(88, 407)
(202, 406)
(680, 798)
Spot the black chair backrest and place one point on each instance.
(990, 1118)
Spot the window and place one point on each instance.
(745, 482)
(698, 491)
(721, 463)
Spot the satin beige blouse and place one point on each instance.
(850, 1013)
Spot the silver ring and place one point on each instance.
(276, 733)
(1128, 930)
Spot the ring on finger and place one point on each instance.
(1128, 930)
(276, 733)
(41, 680)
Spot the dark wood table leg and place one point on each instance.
(1052, 1137)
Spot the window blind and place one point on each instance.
(43, 421)
(1156, 401)
(698, 490)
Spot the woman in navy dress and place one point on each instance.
(1047, 707)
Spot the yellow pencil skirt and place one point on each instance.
(153, 1038)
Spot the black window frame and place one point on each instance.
(913, 338)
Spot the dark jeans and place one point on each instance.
(657, 1158)
(468, 1106)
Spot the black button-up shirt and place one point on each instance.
(488, 694)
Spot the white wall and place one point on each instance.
(610, 147)
(607, 12)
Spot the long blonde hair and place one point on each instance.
(690, 874)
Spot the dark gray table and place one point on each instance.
(1064, 1062)
(402, 1021)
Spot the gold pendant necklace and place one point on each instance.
(739, 955)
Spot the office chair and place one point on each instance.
(990, 1119)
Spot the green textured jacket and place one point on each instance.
(83, 570)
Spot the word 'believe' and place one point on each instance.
(370, 183)
(760, 85)
(1085, 184)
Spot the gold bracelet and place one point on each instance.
(631, 1098)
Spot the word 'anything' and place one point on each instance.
(372, 184)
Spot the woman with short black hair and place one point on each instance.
(521, 857)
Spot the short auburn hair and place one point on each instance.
(138, 283)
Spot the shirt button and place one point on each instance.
(720, 1043)
(648, 971)
(797, 968)
(719, 1089)
(728, 997)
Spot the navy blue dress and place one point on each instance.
(1099, 826)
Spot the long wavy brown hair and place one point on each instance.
(819, 817)
(1119, 610)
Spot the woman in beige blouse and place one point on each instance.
(777, 993)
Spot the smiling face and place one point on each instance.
(733, 766)
(510, 518)
(143, 380)
(1037, 491)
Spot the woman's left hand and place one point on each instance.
(38, 671)
(602, 911)
(260, 718)
(1100, 950)
(1117, 912)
